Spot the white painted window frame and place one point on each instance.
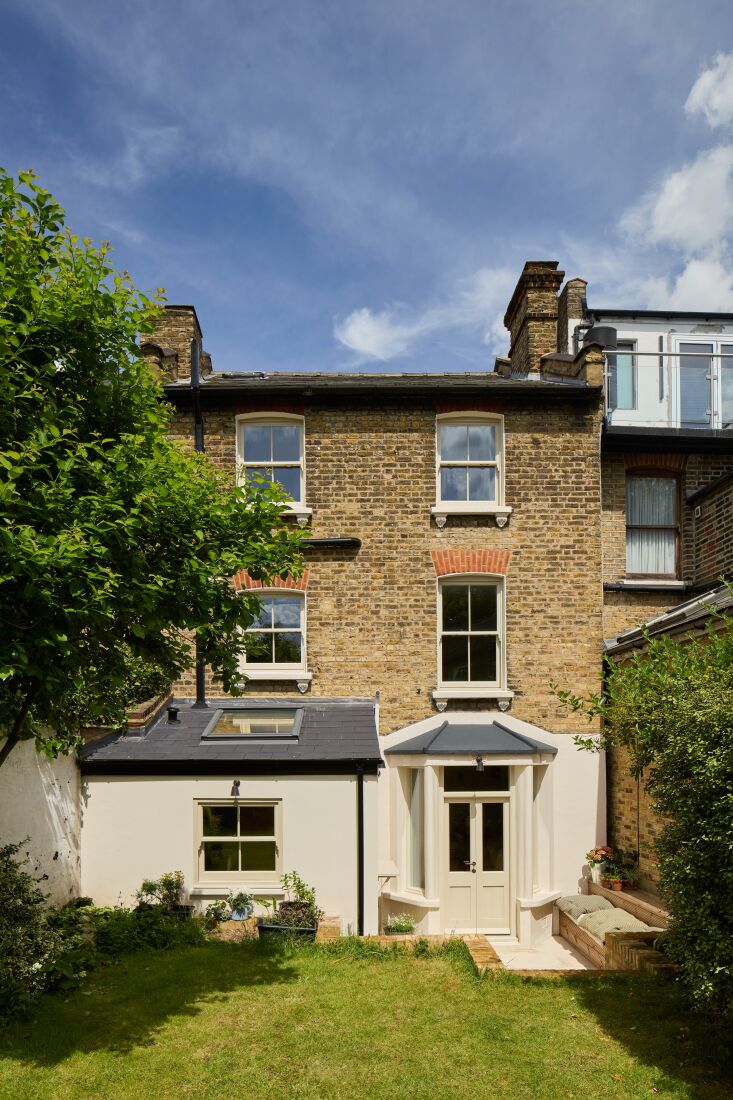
(477, 689)
(442, 509)
(256, 879)
(296, 508)
(274, 671)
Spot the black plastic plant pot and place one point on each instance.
(182, 911)
(284, 932)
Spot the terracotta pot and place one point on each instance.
(616, 884)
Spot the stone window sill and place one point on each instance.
(441, 696)
(442, 511)
(299, 512)
(299, 677)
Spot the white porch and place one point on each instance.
(485, 821)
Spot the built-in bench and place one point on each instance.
(633, 950)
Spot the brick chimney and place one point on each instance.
(531, 315)
(168, 348)
(571, 310)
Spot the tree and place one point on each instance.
(671, 706)
(116, 543)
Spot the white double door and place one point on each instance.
(476, 865)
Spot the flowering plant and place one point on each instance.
(603, 854)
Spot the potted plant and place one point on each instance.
(630, 878)
(297, 917)
(216, 912)
(597, 857)
(614, 879)
(399, 924)
(240, 905)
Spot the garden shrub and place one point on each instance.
(122, 931)
(671, 707)
(29, 946)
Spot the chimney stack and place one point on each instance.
(532, 315)
(168, 348)
(571, 310)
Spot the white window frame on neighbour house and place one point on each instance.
(443, 508)
(623, 358)
(473, 688)
(297, 508)
(280, 670)
(254, 878)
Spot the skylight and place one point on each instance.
(240, 722)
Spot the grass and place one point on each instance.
(347, 1021)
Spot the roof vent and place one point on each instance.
(605, 335)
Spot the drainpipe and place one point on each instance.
(198, 442)
(360, 849)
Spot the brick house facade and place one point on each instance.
(468, 540)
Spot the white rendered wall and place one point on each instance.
(579, 811)
(39, 799)
(138, 827)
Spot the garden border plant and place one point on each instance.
(669, 706)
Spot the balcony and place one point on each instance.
(678, 393)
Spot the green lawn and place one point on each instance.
(229, 1020)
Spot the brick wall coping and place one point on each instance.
(470, 561)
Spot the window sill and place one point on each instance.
(442, 511)
(300, 512)
(641, 584)
(270, 675)
(406, 897)
(218, 890)
(503, 696)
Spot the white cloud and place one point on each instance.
(692, 209)
(712, 92)
(477, 304)
(703, 284)
(144, 153)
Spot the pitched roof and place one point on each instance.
(334, 734)
(456, 738)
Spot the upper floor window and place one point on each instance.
(470, 621)
(652, 525)
(622, 376)
(271, 448)
(469, 460)
(278, 634)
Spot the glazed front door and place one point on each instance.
(477, 872)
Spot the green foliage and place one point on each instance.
(29, 946)
(240, 901)
(399, 924)
(300, 909)
(165, 891)
(115, 541)
(123, 931)
(670, 707)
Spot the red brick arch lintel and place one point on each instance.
(242, 580)
(471, 561)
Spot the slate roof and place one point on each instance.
(333, 734)
(376, 385)
(470, 739)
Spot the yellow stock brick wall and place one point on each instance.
(371, 613)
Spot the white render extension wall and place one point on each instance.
(556, 812)
(137, 827)
(39, 800)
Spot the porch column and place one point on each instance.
(432, 810)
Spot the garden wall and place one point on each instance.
(39, 799)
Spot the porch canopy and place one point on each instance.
(456, 737)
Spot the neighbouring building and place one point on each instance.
(471, 541)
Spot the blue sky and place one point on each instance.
(356, 184)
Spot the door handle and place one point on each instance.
(472, 864)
